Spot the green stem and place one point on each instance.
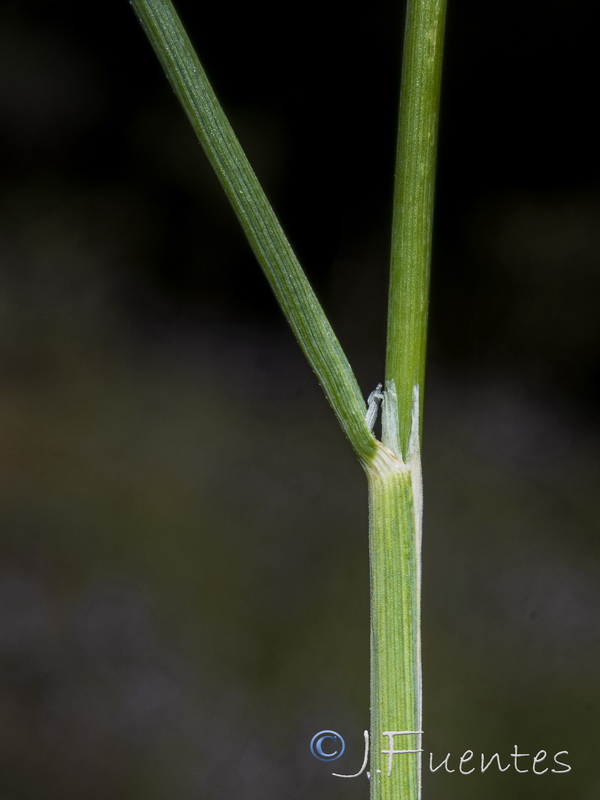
(265, 235)
(413, 204)
(395, 488)
(395, 523)
(393, 465)
(394, 546)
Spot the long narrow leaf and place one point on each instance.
(270, 245)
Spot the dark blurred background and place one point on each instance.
(183, 575)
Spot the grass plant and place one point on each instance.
(392, 464)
